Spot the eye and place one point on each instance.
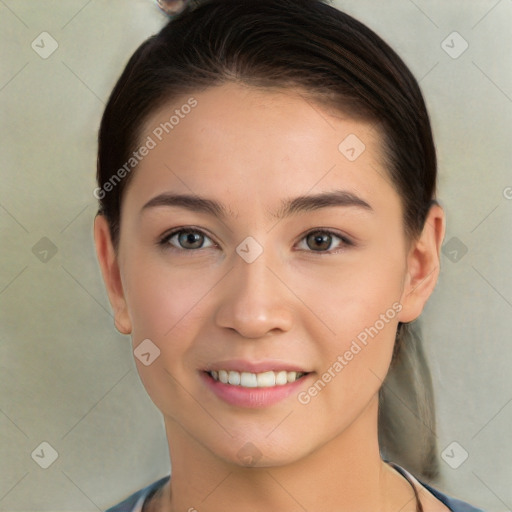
(189, 239)
(186, 239)
(321, 240)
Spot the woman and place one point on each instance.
(267, 230)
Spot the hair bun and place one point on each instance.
(172, 7)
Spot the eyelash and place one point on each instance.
(345, 242)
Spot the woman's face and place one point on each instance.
(262, 281)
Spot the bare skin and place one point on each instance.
(250, 150)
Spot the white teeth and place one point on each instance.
(256, 380)
(291, 376)
(248, 380)
(234, 378)
(281, 378)
(266, 380)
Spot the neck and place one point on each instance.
(346, 474)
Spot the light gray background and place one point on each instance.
(68, 378)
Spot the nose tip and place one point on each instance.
(254, 301)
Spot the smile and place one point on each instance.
(266, 379)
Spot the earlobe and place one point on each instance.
(423, 265)
(109, 265)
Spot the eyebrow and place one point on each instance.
(288, 207)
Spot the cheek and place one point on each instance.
(355, 360)
(161, 299)
(353, 295)
(359, 302)
(166, 308)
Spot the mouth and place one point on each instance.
(254, 389)
(266, 379)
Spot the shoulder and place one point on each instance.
(453, 504)
(135, 501)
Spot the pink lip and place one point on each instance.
(255, 398)
(241, 365)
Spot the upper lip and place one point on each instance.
(241, 365)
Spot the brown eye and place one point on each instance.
(190, 240)
(186, 239)
(324, 241)
(319, 241)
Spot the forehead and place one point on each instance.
(257, 145)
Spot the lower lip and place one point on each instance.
(255, 398)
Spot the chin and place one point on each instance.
(260, 452)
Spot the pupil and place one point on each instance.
(321, 241)
(190, 238)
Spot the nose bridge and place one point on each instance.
(254, 301)
(254, 280)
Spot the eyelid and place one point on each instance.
(345, 240)
(164, 239)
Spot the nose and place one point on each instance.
(255, 300)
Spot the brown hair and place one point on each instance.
(339, 63)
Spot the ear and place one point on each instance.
(108, 261)
(423, 262)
